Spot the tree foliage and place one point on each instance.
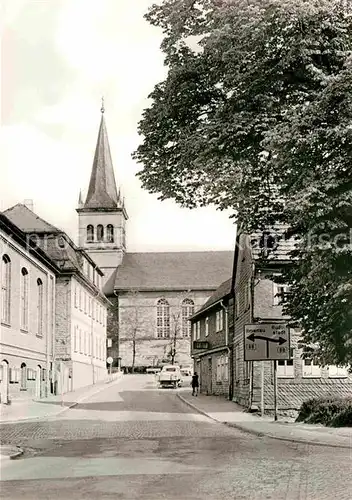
(255, 116)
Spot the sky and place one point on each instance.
(58, 58)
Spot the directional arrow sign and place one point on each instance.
(266, 341)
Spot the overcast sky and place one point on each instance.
(58, 58)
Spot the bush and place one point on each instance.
(342, 419)
(325, 411)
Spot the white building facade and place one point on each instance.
(27, 306)
(78, 351)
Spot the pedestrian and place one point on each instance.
(195, 384)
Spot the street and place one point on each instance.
(135, 441)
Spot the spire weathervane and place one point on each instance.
(102, 109)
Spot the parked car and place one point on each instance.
(170, 375)
(185, 372)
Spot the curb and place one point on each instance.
(260, 433)
(66, 408)
(13, 456)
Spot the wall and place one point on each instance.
(242, 316)
(150, 349)
(80, 332)
(18, 346)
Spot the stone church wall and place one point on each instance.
(137, 313)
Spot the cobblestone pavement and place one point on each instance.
(134, 441)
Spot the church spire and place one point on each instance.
(102, 192)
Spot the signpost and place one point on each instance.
(264, 342)
(109, 362)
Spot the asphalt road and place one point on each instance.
(135, 441)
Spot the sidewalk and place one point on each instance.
(229, 413)
(51, 406)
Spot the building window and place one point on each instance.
(337, 371)
(6, 289)
(163, 319)
(279, 292)
(219, 320)
(310, 369)
(76, 298)
(75, 347)
(206, 326)
(40, 306)
(187, 308)
(285, 367)
(24, 298)
(194, 331)
(198, 330)
(90, 233)
(110, 233)
(100, 232)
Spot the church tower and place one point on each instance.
(102, 216)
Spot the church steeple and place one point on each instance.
(102, 191)
(102, 216)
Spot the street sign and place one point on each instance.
(109, 360)
(266, 341)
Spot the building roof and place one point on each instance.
(102, 192)
(28, 221)
(15, 233)
(173, 271)
(57, 245)
(220, 293)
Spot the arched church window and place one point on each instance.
(187, 308)
(110, 233)
(162, 319)
(100, 232)
(90, 233)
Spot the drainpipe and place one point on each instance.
(47, 378)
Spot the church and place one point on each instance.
(152, 293)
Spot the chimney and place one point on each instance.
(29, 204)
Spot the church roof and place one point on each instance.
(173, 271)
(102, 192)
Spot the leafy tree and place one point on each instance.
(254, 116)
(320, 212)
(134, 324)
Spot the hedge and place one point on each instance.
(332, 412)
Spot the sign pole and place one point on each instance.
(275, 389)
(262, 389)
